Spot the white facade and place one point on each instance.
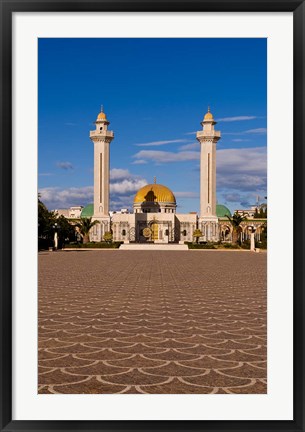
(164, 227)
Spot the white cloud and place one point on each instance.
(241, 200)
(257, 131)
(242, 169)
(191, 146)
(127, 186)
(119, 173)
(165, 157)
(139, 162)
(232, 197)
(123, 201)
(240, 140)
(122, 184)
(64, 165)
(186, 194)
(160, 143)
(245, 160)
(239, 171)
(190, 133)
(241, 182)
(55, 197)
(237, 118)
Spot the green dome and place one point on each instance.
(87, 211)
(222, 211)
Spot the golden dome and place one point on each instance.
(154, 193)
(209, 115)
(101, 116)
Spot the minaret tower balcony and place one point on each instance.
(208, 134)
(101, 134)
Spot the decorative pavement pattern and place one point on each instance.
(152, 322)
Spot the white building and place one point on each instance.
(70, 213)
(154, 217)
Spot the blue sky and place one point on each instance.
(155, 93)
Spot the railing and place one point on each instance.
(209, 134)
(101, 133)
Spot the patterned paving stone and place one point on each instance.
(134, 322)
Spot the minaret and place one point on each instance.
(208, 138)
(101, 138)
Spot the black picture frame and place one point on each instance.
(7, 10)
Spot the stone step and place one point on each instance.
(156, 246)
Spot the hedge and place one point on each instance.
(95, 245)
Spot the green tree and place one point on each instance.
(236, 221)
(108, 236)
(46, 220)
(261, 212)
(66, 229)
(197, 234)
(85, 226)
(264, 236)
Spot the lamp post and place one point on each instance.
(55, 227)
(110, 213)
(252, 230)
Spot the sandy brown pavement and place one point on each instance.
(152, 322)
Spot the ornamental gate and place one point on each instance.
(132, 234)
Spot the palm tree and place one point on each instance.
(236, 221)
(197, 234)
(85, 226)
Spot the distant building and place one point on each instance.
(248, 212)
(70, 213)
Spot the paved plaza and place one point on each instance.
(115, 321)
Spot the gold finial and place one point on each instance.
(155, 180)
(209, 115)
(102, 115)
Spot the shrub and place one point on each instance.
(245, 244)
(262, 244)
(43, 243)
(201, 245)
(94, 245)
(197, 234)
(230, 246)
(108, 236)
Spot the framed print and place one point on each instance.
(158, 282)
